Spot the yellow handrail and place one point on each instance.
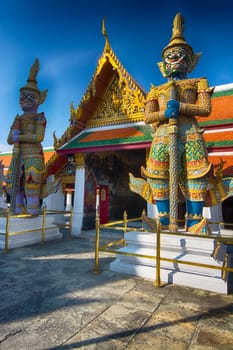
(43, 227)
(158, 279)
(124, 228)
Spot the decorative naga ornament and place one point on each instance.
(178, 156)
(25, 175)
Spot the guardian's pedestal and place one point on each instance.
(181, 248)
(28, 231)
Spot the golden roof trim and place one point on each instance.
(117, 121)
(76, 113)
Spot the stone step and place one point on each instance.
(175, 247)
(173, 255)
(170, 242)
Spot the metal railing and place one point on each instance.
(124, 227)
(43, 228)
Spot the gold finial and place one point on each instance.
(32, 82)
(104, 32)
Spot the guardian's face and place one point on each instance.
(28, 100)
(176, 62)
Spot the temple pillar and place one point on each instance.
(78, 208)
(68, 201)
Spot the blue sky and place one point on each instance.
(66, 37)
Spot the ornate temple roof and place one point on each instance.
(105, 139)
(112, 97)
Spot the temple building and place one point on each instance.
(107, 139)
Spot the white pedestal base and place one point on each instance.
(182, 248)
(32, 236)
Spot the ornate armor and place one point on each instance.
(25, 175)
(195, 99)
(32, 127)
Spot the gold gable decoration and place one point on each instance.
(121, 104)
(124, 100)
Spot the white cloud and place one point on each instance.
(5, 148)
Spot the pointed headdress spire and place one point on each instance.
(32, 82)
(177, 38)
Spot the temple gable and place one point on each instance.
(121, 104)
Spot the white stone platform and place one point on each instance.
(182, 248)
(33, 226)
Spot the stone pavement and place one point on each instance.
(52, 299)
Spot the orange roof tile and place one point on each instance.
(222, 109)
(111, 134)
(225, 135)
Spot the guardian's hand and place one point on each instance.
(172, 110)
(15, 135)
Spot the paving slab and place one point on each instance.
(51, 298)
